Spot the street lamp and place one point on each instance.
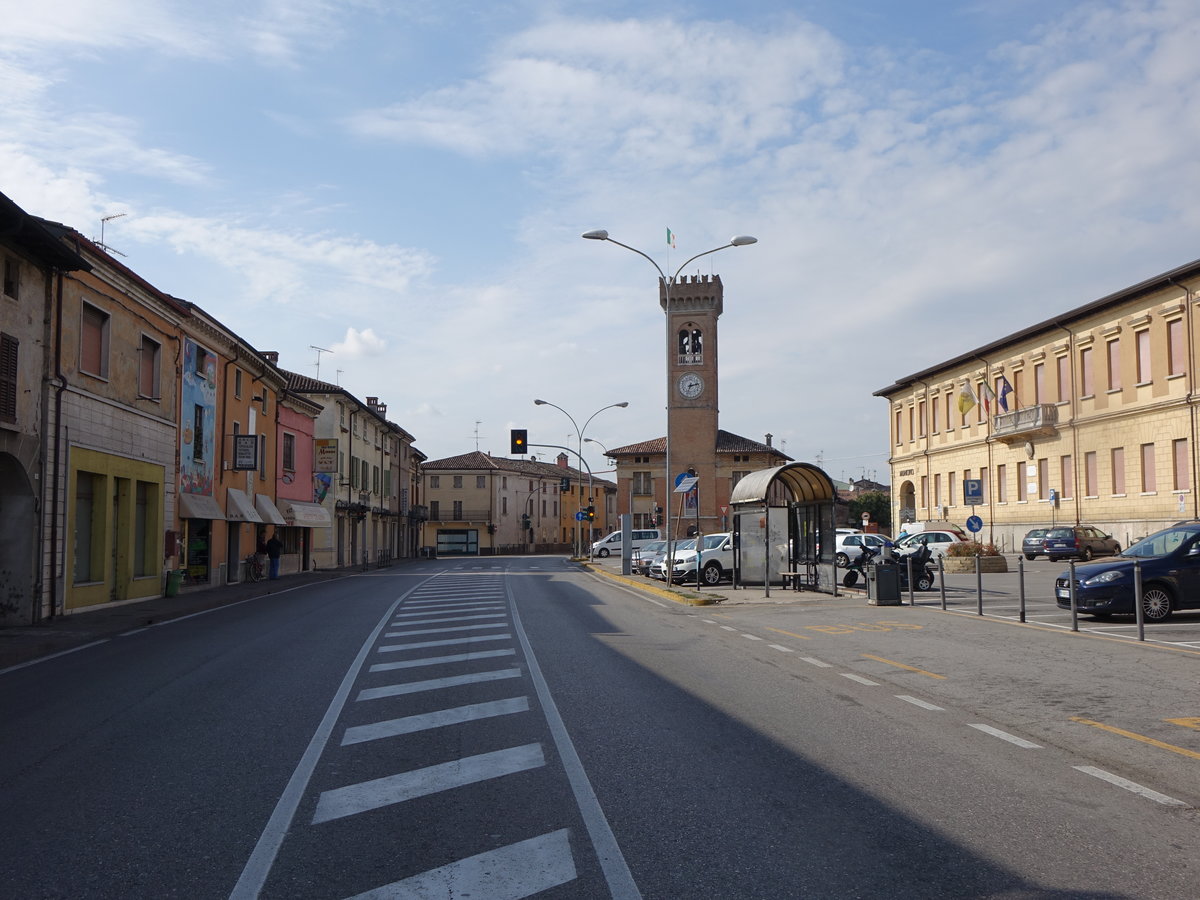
(740, 240)
(579, 434)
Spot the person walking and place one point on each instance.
(274, 548)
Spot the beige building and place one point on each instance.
(1088, 417)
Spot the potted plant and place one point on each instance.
(960, 558)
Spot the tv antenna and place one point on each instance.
(100, 243)
(338, 382)
(319, 350)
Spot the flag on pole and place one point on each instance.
(1005, 390)
(966, 398)
(989, 396)
(670, 238)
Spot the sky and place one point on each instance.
(405, 185)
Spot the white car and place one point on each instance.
(937, 540)
(643, 557)
(849, 547)
(658, 567)
(716, 560)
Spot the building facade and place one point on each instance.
(1086, 418)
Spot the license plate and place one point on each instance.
(1063, 594)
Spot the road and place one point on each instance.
(512, 727)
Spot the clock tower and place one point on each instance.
(692, 307)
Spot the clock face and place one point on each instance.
(691, 386)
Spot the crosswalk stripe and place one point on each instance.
(439, 660)
(421, 645)
(499, 615)
(379, 792)
(394, 634)
(465, 609)
(509, 873)
(435, 684)
(426, 722)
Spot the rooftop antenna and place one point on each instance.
(319, 350)
(100, 243)
(478, 422)
(339, 377)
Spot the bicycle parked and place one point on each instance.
(254, 567)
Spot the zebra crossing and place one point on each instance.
(440, 716)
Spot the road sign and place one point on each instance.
(974, 524)
(580, 516)
(685, 483)
(972, 491)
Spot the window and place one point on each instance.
(1114, 365)
(1022, 484)
(87, 488)
(1039, 384)
(1176, 354)
(736, 477)
(1090, 482)
(9, 346)
(237, 382)
(458, 511)
(435, 482)
(1018, 389)
(149, 357)
(353, 471)
(12, 278)
(1181, 471)
(980, 409)
(1149, 479)
(924, 491)
(435, 512)
(289, 452)
(504, 506)
(262, 457)
(1001, 483)
(950, 489)
(93, 341)
(1145, 374)
(899, 437)
(375, 479)
(1064, 379)
(365, 481)
(911, 431)
(1118, 470)
(458, 481)
(1066, 471)
(1043, 477)
(198, 432)
(933, 409)
(949, 409)
(983, 483)
(937, 490)
(642, 483)
(921, 419)
(1088, 387)
(204, 361)
(481, 481)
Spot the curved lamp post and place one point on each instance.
(579, 434)
(740, 240)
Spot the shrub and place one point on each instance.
(972, 548)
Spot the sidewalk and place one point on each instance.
(21, 644)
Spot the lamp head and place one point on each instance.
(598, 235)
(741, 240)
(539, 402)
(622, 404)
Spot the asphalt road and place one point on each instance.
(511, 727)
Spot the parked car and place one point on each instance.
(644, 556)
(936, 540)
(611, 543)
(658, 567)
(1034, 544)
(1082, 541)
(1170, 569)
(849, 547)
(716, 560)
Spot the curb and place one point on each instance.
(674, 596)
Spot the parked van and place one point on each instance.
(639, 537)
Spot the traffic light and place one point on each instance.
(591, 513)
(525, 525)
(564, 486)
(520, 440)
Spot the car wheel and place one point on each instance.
(602, 552)
(924, 582)
(841, 560)
(1086, 555)
(1031, 556)
(712, 574)
(850, 578)
(1156, 603)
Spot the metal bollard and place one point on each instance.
(1021, 584)
(1137, 599)
(1074, 604)
(979, 583)
(908, 563)
(942, 581)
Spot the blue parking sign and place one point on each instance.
(972, 491)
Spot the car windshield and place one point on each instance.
(689, 544)
(1162, 542)
(713, 541)
(1035, 534)
(1060, 533)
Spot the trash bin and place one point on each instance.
(174, 582)
(429, 553)
(883, 584)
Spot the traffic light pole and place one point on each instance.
(583, 462)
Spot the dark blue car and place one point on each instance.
(1170, 564)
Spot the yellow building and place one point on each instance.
(1087, 417)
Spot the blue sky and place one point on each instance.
(405, 184)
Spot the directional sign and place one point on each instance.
(974, 524)
(580, 516)
(685, 483)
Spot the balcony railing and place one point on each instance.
(1025, 423)
(465, 515)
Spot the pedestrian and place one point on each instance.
(274, 548)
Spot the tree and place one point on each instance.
(878, 504)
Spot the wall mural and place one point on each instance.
(198, 420)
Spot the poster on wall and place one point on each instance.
(245, 452)
(325, 455)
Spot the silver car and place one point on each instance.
(659, 566)
(644, 556)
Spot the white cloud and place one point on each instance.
(359, 343)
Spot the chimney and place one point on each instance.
(272, 356)
(769, 436)
(562, 460)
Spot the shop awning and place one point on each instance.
(198, 506)
(267, 510)
(306, 515)
(238, 507)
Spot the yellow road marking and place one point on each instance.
(1182, 751)
(903, 666)
(803, 637)
(1186, 723)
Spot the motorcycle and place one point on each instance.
(922, 571)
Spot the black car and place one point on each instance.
(1170, 566)
(1082, 541)
(1034, 544)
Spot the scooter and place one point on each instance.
(858, 567)
(922, 571)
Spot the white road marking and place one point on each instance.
(436, 684)
(728, 628)
(456, 628)
(444, 619)
(1005, 736)
(708, 621)
(781, 648)
(367, 795)
(440, 719)
(512, 872)
(421, 645)
(921, 703)
(1130, 786)
(751, 637)
(439, 660)
(859, 679)
(813, 661)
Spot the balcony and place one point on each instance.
(464, 515)
(1026, 423)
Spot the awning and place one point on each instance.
(238, 507)
(306, 515)
(267, 510)
(198, 506)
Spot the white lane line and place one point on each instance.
(439, 660)
(917, 702)
(378, 792)
(440, 719)
(456, 628)
(751, 637)
(859, 679)
(708, 621)
(436, 684)
(728, 628)
(402, 624)
(510, 873)
(781, 648)
(813, 661)
(1005, 736)
(421, 645)
(1128, 785)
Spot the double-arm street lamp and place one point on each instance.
(740, 240)
(579, 434)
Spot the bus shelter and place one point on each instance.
(784, 529)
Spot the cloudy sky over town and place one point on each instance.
(404, 184)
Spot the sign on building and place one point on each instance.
(245, 452)
(325, 455)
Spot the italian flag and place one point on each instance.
(670, 238)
